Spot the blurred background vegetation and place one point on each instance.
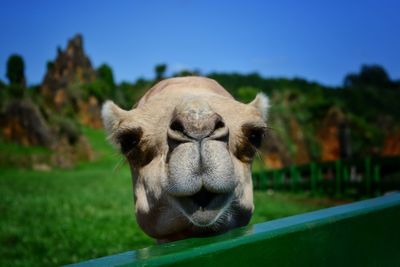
(65, 194)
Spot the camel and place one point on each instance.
(190, 146)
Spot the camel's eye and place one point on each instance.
(253, 134)
(255, 137)
(130, 139)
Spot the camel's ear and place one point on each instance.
(261, 102)
(111, 115)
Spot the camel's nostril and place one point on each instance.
(219, 124)
(177, 125)
(203, 197)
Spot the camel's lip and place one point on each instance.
(203, 212)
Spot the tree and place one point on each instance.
(105, 73)
(369, 76)
(104, 86)
(3, 93)
(2, 85)
(247, 94)
(99, 89)
(160, 70)
(186, 72)
(15, 70)
(16, 75)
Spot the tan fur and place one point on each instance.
(169, 165)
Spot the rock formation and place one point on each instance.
(333, 136)
(50, 118)
(63, 83)
(71, 65)
(275, 151)
(391, 145)
(22, 122)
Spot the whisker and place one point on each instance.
(270, 128)
(258, 154)
(119, 164)
(171, 188)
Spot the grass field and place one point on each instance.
(64, 216)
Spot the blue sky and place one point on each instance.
(316, 40)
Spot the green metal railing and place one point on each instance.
(335, 178)
(364, 233)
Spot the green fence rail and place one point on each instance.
(365, 233)
(365, 177)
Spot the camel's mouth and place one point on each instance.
(204, 208)
(203, 198)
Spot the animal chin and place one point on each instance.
(204, 208)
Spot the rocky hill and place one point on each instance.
(70, 66)
(62, 86)
(50, 115)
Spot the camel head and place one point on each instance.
(190, 146)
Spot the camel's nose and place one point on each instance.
(199, 128)
(195, 119)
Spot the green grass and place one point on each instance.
(12, 154)
(64, 216)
